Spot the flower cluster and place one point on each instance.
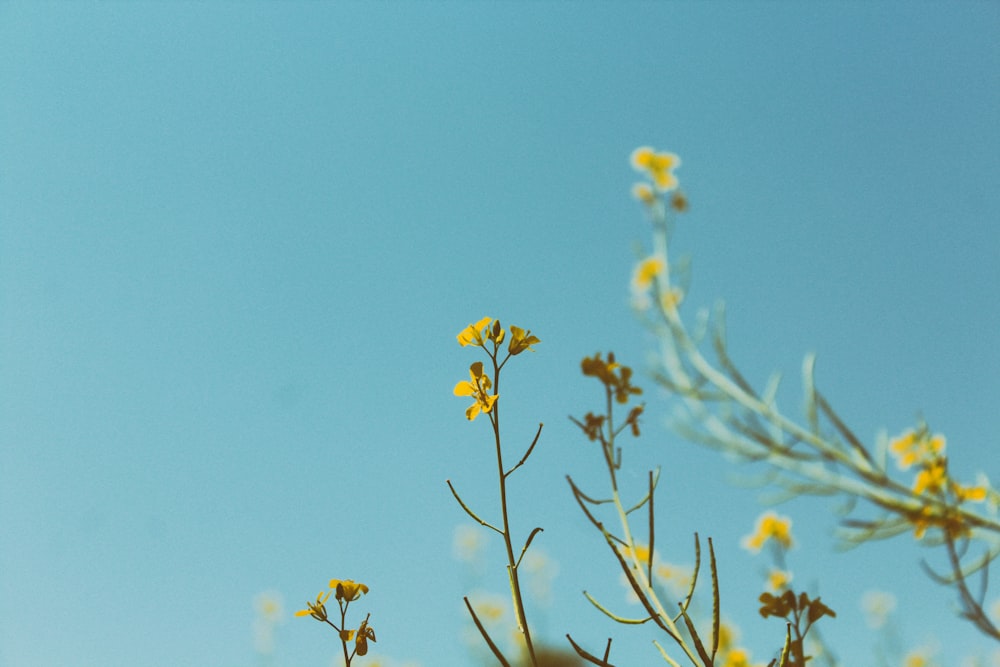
(488, 334)
(659, 170)
(770, 527)
(345, 591)
(918, 448)
(613, 375)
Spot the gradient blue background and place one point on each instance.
(237, 241)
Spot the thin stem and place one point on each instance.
(515, 585)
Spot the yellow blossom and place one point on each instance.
(737, 657)
(478, 387)
(769, 526)
(645, 272)
(520, 340)
(316, 609)
(671, 299)
(778, 580)
(917, 658)
(644, 193)
(932, 478)
(976, 494)
(915, 447)
(473, 334)
(878, 605)
(659, 166)
(641, 553)
(728, 636)
(347, 589)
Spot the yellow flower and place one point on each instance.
(659, 166)
(641, 553)
(778, 580)
(917, 658)
(915, 447)
(644, 193)
(769, 526)
(316, 609)
(671, 299)
(473, 334)
(976, 494)
(728, 635)
(932, 478)
(520, 340)
(348, 590)
(479, 388)
(737, 657)
(645, 272)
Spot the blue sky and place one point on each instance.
(237, 241)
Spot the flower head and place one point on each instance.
(918, 446)
(778, 580)
(644, 193)
(473, 334)
(478, 387)
(878, 606)
(316, 609)
(658, 166)
(769, 526)
(646, 272)
(348, 590)
(521, 340)
(614, 376)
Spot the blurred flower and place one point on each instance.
(269, 606)
(919, 657)
(473, 334)
(644, 193)
(490, 608)
(645, 273)
(877, 605)
(778, 580)
(542, 570)
(737, 657)
(671, 299)
(658, 166)
(620, 384)
(348, 590)
(468, 543)
(932, 478)
(316, 609)
(676, 577)
(729, 634)
(976, 494)
(270, 612)
(769, 526)
(916, 447)
(479, 388)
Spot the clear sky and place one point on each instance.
(237, 241)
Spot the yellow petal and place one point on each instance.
(464, 388)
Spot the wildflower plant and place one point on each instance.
(817, 454)
(483, 387)
(344, 591)
(642, 568)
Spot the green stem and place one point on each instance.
(515, 586)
